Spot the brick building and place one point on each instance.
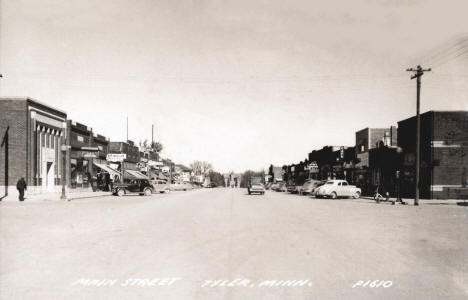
(87, 154)
(366, 175)
(131, 163)
(32, 147)
(444, 149)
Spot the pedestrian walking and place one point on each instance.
(21, 187)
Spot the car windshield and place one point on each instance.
(329, 182)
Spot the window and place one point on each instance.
(329, 182)
(344, 183)
(79, 138)
(362, 148)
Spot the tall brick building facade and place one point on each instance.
(444, 154)
(33, 147)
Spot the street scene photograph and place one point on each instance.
(233, 149)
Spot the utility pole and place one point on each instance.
(418, 73)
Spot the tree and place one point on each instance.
(157, 146)
(247, 175)
(154, 146)
(201, 167)
(216, 178)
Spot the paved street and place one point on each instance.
(50, 248)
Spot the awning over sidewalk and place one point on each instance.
(107, 169)
(135, 175)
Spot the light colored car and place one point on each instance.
(160, 186)
(181, 187)
(309, 186)
(293, 189)
(337, 188)
(274, 187)
(281, 187)
(256, 187)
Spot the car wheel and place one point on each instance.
(357, 195)
(120, 192)
(334, 195)
(147, 192)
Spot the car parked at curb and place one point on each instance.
(337, 188)
(181, 186)
(160, 186)
(292, 188)
(309, 186)
(133, 186)
(281, 187)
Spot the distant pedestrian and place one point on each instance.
(21, 187)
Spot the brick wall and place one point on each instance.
(450, 151)
(13, 114)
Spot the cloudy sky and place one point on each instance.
(241, 84)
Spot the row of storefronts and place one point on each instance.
(385, 158)
(41, 145)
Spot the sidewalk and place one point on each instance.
(410, 201)
(72, 195)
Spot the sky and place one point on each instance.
(240, 84)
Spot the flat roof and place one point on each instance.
(33, 101)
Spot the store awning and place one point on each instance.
(135, 174)
(107, 169)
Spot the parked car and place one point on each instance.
(181, 187)
(133, 186)
(309, 186)
(160, 186)
(281, 187)
(337, 188)
(274, 187)
(292, 188)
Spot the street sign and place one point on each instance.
(116, 157)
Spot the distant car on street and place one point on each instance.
(337, 188)
(255, 185)
(281, 187)
(274, 187)
(181, 187)
(256, 188)
(293, 188)
(133, 186)
(160, 186)
(309, 186)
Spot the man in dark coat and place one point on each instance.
(21, 187)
